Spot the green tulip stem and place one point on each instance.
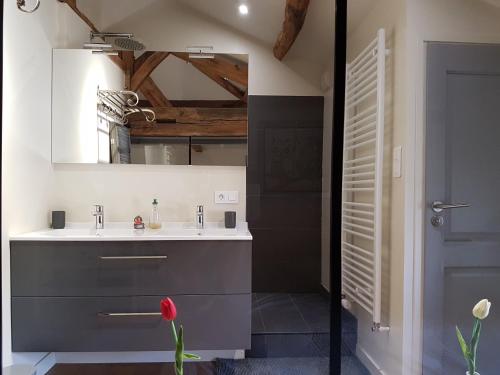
(174, 331)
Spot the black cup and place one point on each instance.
(230, 219)
(58, 219)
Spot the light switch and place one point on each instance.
(226, 197)
(397, 155)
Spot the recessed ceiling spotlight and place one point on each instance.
(243, 8)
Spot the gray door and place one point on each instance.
(462, 256)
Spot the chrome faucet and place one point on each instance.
(98, 212)
(200, 220)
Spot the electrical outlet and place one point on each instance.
(226, 197)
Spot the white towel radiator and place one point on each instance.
(362, 179)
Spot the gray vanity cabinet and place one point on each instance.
(104, 295)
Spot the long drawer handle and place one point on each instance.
(118, 314)
(137, 257)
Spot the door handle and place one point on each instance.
(438, 206)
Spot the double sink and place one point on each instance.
(124, 232)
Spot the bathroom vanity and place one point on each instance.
(77, 291)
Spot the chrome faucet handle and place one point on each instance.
(98, 209)
(199, 209)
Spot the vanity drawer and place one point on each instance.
(54, 324)
(133, 268)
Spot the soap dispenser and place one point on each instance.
(154, 220)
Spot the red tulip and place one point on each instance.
(168, 309)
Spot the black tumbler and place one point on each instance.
(230, 219)
(58, 219)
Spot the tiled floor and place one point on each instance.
(298, 325)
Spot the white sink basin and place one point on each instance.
(124, 232)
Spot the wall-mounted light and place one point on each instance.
(97, 46)
(108, 53)
(200, 52)
(243, 9)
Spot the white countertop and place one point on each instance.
(126, 232)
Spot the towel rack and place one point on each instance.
(361, 245)
(120, 104)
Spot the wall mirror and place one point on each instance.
(153, 107)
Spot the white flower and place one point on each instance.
(482, 309)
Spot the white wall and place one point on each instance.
(27, 176)
(383, 351)
(158, 25)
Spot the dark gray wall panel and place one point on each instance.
(73, 324)
(284, 191)
(62, 268)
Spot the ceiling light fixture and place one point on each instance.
(243, 8)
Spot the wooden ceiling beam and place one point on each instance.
(141, 59)
(128, 64)
(206, 69)
(190, 130)
(190, 115)
(72, 4)
(146, 68)
(128, 61)
(223, 67)
(295, 15)
(191, 122)
(224, 83)
(153, 94)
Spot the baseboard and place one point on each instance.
(368, 361)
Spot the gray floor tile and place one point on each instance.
(315, 309)
(280, 315)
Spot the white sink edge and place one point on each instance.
(125, 232)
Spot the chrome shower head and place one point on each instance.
(120, 41)
(128, 44)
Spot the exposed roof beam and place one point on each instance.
(295, 15)
(128, 61)
(72, 5)
(128, 64)
(190, 130)
(213, 74)
(153, 94)
(146, 68)
(186, 122)
(223, 67)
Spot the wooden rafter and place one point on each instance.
(236, 72)
(185, 122)
(295, 15)
(153, 94)
(201, 103)
(72, 5)
(214, 74)
(146, 68)
(127, 63)
(128, 60)
(190, 130)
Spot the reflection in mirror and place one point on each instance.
(168, 108)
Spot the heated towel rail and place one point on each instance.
(362, 179)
